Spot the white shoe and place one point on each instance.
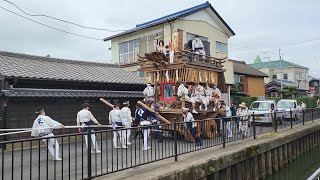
(146, 149)
(117, 147)
(230, 136)
(194, 112)
(58, 159)
(124, 147)
(98, 151)
(129, 143)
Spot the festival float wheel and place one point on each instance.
(209, 128)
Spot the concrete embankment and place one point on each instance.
(243, 159)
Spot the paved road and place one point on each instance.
(33, 164)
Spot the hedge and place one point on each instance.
(311, 102)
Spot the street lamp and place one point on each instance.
(298, 87)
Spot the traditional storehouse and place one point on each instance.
(247, 80)
(61, 87)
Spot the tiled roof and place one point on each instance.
(24, 92)
(276, 65)
(172, 17)
(37, 67)
(284, 82)
(240, 67)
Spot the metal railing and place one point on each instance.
(31, 158)
(315, 175)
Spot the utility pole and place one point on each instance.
(280, 72)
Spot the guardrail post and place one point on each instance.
(223, 133)
(291, 118)
(175, 141)
(4, 125)
(89, 152)
(275, 121)
(254, 126)
(303, 116)
(312, 114)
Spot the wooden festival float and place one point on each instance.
(186, 67)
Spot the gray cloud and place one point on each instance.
(255, 22)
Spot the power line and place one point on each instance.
(65, 21)
(79, 35)
(288, 43)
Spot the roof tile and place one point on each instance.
(37, 67)
(26, 92)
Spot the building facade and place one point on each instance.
(314, 86)
(282, 70)
(201, 20)
(247, 80)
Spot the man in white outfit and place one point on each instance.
(127, 120)
(44, 124)
(242, 113)
(85, 118)
(148, 92)
(116, 122)
(197, 46)
(228, 119)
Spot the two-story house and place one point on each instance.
(247, 80)
(202, 20)
(285, 73)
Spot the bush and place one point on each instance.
(311, 102)
(247, 100)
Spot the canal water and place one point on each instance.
(299, 169)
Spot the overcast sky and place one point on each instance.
(261, 27)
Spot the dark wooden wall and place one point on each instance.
(21, 111)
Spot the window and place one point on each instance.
(274, 76)
(146, 43)
(285, 76)
(238, 78)
(221, 47)
(191, 36)
(128, 52)
(239, 82)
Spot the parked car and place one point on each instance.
(262, 111)
(284, 107)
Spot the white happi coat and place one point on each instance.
(115, 116)
(243, 117)
(44, 124)
(148, 91)
(183, 92)
(84, 116)
(199, 94)
(126, 116)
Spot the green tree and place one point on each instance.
(288, 91)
